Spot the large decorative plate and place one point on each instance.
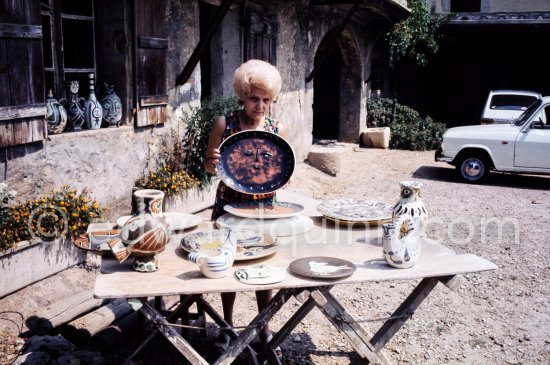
(265, 211)
(256, 162)
(351, 211)
(177, 221)
(251, 245)
(320, 267)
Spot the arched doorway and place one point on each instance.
(337, 89)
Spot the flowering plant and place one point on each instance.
(64, 212)
(168, 172)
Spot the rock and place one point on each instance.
(376, 137)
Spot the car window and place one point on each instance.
(511, 102)
(526, 115)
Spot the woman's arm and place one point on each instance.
(214, 140)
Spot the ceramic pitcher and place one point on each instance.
(215, 263)
(401, 242)
(145, 233)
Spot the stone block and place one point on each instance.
(328, 158)
(376, 137)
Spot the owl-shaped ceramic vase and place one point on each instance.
(144, 234)
(410, 203)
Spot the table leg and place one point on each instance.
(347, 325)
(402, 314)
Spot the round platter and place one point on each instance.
(255, 162)
(320, 267)
(281, 227)
(250, 245)
(350, 211)
(265, 211)
(259, 274)
(177, 221)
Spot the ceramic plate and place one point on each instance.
(351, 211)
(251, 245)
(281, 227)
(177, 221)
(259, 274)
(255, 162)
(265, 211)
(322, 267)
(97, 237)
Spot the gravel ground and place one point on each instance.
(500, 317)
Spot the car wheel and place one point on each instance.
(473, 169)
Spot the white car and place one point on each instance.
(521, 147)
(504, 106)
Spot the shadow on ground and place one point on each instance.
(501, 179)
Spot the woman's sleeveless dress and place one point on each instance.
(224, 194)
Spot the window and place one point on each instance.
(261, 29)
(68, 44)
(465, 6)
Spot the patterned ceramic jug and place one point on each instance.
(92, 110)
(57, 116)
(144, 234)
(112, 106)
(401, 243)
(215, 263)
(410, 203)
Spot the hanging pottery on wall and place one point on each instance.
(56, 115)
(93, 111)
(410, 203)
(74, 106)
(112, 106)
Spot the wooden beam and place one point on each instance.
(334, 39)
(23, 111)
(28, 31)
(203, 43)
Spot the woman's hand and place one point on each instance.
(211, 161)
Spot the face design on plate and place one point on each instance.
(255, 161)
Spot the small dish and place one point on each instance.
(320, 267)
(251, 245)
(259, 274)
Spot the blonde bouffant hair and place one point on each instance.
(259, 74)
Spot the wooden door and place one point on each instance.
(151, 43)
(22, 96)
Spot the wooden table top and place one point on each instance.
(360, 245)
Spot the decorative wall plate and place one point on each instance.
(351, 211)
(265, 211)
(320, 267)
(177, 221)
(255, 162)
(251, 245)
(259, 274)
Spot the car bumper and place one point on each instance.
(439, 157)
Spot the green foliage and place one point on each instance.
(198, 124)
(165, 171)
(64, 212)
(409, 131)
(417, 36)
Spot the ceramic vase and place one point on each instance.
(74, 106)
(411, 203)
(145, 234)
(112, 106)
(56, 115)
(401, 242)
(215, 263)
(93, 111)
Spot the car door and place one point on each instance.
(532, 149)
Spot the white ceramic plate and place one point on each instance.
(281, 227)
(259, 274)
(176, 221)
(265, 211)
(351, 211)
(251, 245)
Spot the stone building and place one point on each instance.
(164, 56)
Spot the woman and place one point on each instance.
(256, 84)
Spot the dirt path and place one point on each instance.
(501, 317)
